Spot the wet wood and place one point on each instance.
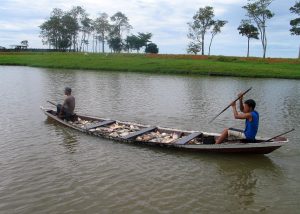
(182, 144)
(103, 123)
(188, 138)
(138, 133)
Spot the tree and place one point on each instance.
(70, 27)
(59, 30)
(50, 29)
(142, 40)
(86, 29)
(216, 29)
(132, 42)
(248, 30)
(120, 24)
(295, 23)
(102, 27)
(136, 42)
(25, 43)
(257, 10)
(66, 29)
(202, 22)
(151, 48)
(194, 48)
(79, 15)
(116, 44)
(145, 38)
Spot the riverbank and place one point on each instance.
(171, 64)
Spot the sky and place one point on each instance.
(166, 19)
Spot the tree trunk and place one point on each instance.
(264, 37)
(88, 42)
(202, 43)
(265, 43)
(103, 42)
(96, 45)
(299, 53)
(99, 45)
(248, 47)
(93, 43)
(212, 37)
(103, 45)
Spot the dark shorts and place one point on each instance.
(65, 114)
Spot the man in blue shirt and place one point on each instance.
(251, 118)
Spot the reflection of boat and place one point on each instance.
(165, 137)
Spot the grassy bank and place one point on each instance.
(173, 64)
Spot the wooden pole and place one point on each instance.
(230, 104)
(280, 135)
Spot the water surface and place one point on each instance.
(47, 168)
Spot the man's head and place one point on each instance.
(249, 105)
(68, 91)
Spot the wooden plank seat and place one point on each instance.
(140, 132)
(187, 138)
(103, 123)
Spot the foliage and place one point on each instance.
(102, 28)
(25, 43)
(136, 42)
(60, 30)
(194, 48)
(116, 44)
(248, 30)
(120, 24)
(225, 59)
(218, 24)
(257, 10)
(295, 23)
(65, 30)
(203, 21)
(152, 48)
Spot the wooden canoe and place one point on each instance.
(164, 137)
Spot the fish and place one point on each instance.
(124, 134)
(113, 134)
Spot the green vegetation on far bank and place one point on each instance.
(171, 64)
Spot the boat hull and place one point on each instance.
(250, 148)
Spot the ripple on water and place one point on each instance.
(47, 168)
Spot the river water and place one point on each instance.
(47, 168)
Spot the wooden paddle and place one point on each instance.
(230, 105)
(52, 103)
(279, 135)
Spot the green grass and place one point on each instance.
(171, 64)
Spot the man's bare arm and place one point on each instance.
(240, 116)
(62, 107)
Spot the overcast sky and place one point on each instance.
(166, 19)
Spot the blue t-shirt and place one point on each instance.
(252, 126)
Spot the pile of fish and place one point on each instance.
(157, 137)
(113, 130)
(83, 123)
(195, 141)
(117, 129)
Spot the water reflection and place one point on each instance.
(51, 160)
(244, 179)
(69, 139)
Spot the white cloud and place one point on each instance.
(166, 19)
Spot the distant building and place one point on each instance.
(2, 48)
